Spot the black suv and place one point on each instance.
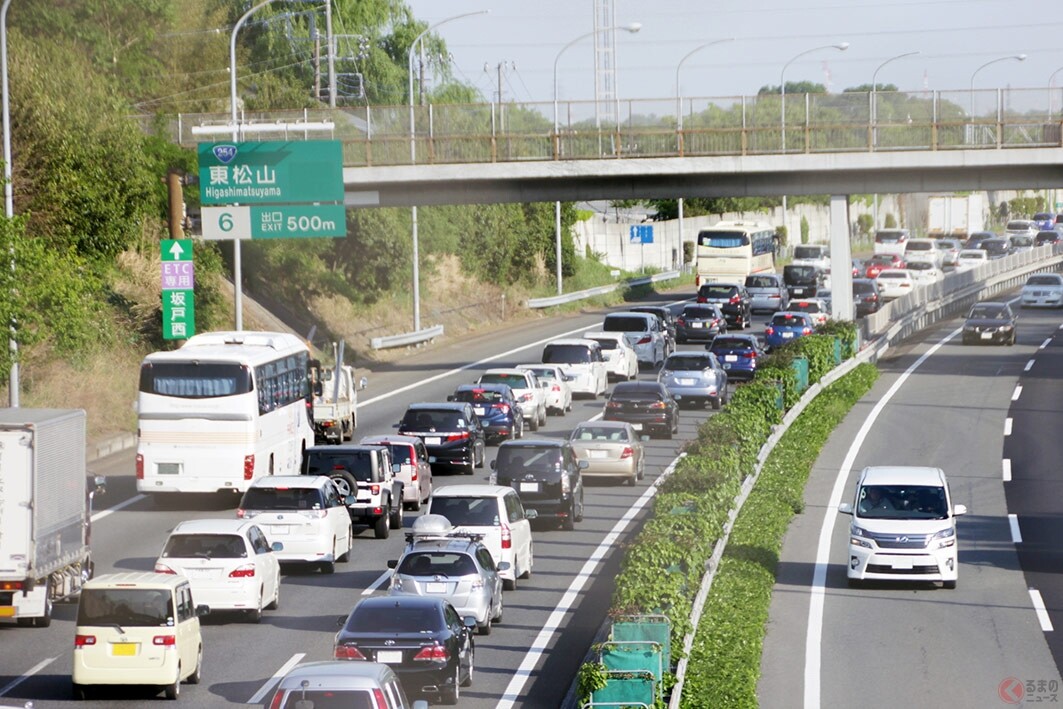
(802, 280)
(647, 406)
(451, 432)
(734, 300)
(867, 298)
(546, 476)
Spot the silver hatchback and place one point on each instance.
(768, 292)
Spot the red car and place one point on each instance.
(880, 262)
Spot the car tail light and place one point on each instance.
(504, 408)
(328, 424)
(374, 490)
(378, 699)
(644, 340)
(806, 331)
(612, 405)
(314, 514)
(164, 640)
(527, 396)
(681, 321)
(769, 331)
(555, 387)
(657, 405)
(507, 537)
(477, 584)
(735, 300)
(464, 435)
(84, 640)
(413, 472)
(140, 466)
(702, 299)
(628, 452)
(243, 572)
(164, 569)
(249, 466)
(432, 653)
(752, 354)
(278, 700)
(347, 652)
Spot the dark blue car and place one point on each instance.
(737, 354)
(497, 408)
(787, 327)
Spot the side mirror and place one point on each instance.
(397, 425)
(276, 546)
(396, 468)
(99, 485)
(469, 621)
(363, 382)
(392, 563)
(958, 510)
(503, 566)
(202, 611)
(845, 508)
(451, 397)
(583, 464)
(531, 514)
(341, 621)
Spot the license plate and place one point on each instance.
(435, 587)
(529, 487)
(787, 335)
(987, 336)
(637, 426)
(432, 440)
(599, 454)
(799, 291)
(686, 382)
(480, 411)
(124, 649)
(901, 563)
(169, 468)
(280, 529)
(7, 611)
(730, 358)
(201, 573)
(391, 657)
(697, 324)
(432, 459)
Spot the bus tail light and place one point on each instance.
(249, 466)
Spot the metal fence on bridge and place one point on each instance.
(744, 125)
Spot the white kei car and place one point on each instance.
(559, 394)
(621, 361)
(228, 562)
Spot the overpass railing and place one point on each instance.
(880, 121)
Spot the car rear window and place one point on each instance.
(605, 342)
(128, 607)
(338, 698)
(511, 458)
(761, 282)
(890, 237)
(717, 291)
(1018, 226)
(988, 312)
(806, 306)
(599, 433)
(515, 381)
(787, 319)
(207, 546)
(919, 246)
(1022, 241)
(731, 343)
(544, 372)
(810, 252)
(800, 273)
(625, 323)
(687, 362)
(863, 287)
(631, 394)
(467, 511)
(995, 246)
(698, 313)
(397, 619)
(920, 266)
(357, 463)
(892, 275)
(421, 420)
(430, 563)
(478, 396)
(566, 354)
(286, 498)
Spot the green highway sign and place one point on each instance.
(176, 249)
(178, 281)
(271, 172)
(286, 221)
(178, 314)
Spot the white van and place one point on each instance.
(904, 526)
(891, 241)
(137, 628)
(582, 362)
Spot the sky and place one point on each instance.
(953, 37)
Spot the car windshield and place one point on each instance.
(442, 563)
(358, 463)
(809, 252)
(515, 381)
(332, 698)
(599, 433)
(282, 498)
(207, 546)
(395, 619)
(995, 246)
(687, 362)
(902, 502)
(625, 323)
(1022, 241)
(988, 312)
(761, 282)
(467, 511)
(566, 354)
(1043, 281)
(515, 458)
(133, 607)
(478, 396)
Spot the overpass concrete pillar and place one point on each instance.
(841, 255)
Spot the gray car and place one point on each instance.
(342, 683)
(768, 292)
(453, 565)
(695, 377)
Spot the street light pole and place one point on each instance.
(413, 161)
(632, 27)
(1017, 57)
(1051, 79)
(9, 201)
(872, 116)
(841, 47)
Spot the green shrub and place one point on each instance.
(890, 221)
(845, 331)
(778, 366)
(804, 230)
(819, 351)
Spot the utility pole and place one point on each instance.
(316, 38)
(500, 69)
(175, 192)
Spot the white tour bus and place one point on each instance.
(222, 410)
(730, 251)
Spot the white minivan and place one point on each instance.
(137, 628)
(904, 526)
(582, 362)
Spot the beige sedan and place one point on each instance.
(611, 448)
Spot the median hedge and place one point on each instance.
(664, 565)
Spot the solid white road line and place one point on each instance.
(277, 676)
(29, 673)
(1007, 426)
(539, 646)
(817, 593)
(121, 505)
(1042, 613)
(378, 583)
(1017, 393)
(1029, 366)
(1006, 466)
(1016, 535)
(1045, 344)
(485, 360)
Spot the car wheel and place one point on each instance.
(173, 691)
(509, 584)
(485, 629)
(631, 479)
(395, 518)
(472, 660)
(497, 618)
(197, 674)
(642, 471)
(80, 692)
(254, 615)
(542, 420)
(413, 505)
(380, 528)
(276, 602)
(579, 517)
(717, 404)
(535, 423)
(1012, 340)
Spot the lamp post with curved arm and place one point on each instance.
(413, 160)
(872, 116)
(1016, 57)
(632, 27)
(1052, 78)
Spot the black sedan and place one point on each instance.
(647, 406)
(496, 407)
(451, 432)
(421, 638)
(699, 322)
(991, 324)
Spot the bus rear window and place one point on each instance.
(723, 239)
(194, 380)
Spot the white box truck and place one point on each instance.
(955, 215)
(45, 511)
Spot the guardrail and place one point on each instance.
(407, 338)
(600, 290)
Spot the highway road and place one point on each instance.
(529, 660)
(968, 410)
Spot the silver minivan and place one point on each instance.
(643, 332)
(342, 683)
(768, 292)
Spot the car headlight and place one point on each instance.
(859, 537)
(1005, 328)
(968, 328)
(945, 538)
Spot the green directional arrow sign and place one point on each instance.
(176, 249)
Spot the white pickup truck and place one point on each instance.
(336, 404)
